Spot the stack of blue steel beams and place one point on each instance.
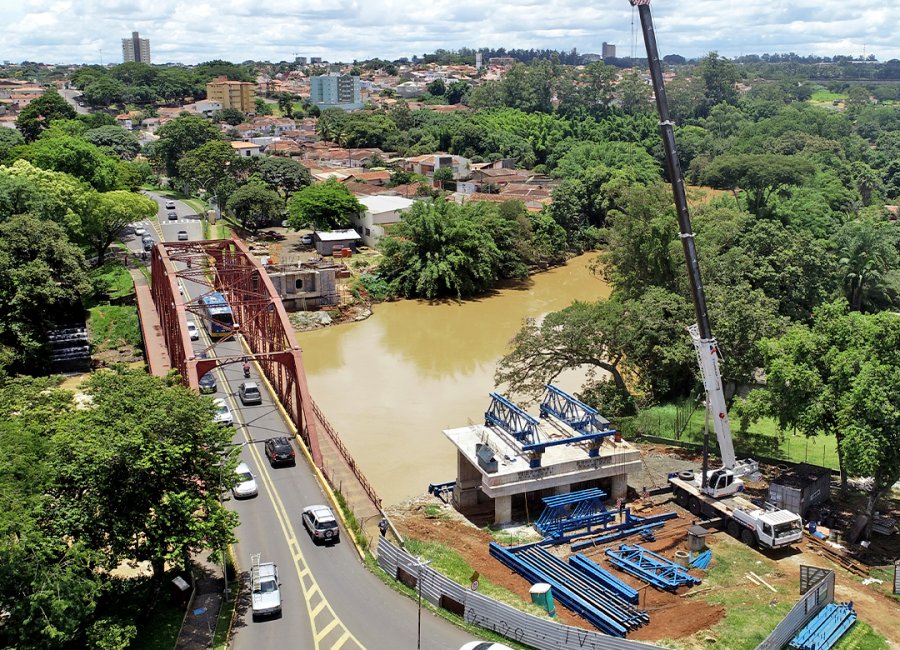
(826, 628)
(587, 597)
(650, 567)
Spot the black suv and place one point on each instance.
(279, 451)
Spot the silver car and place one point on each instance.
(265, 592)
(246, 485)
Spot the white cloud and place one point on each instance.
(193, 31)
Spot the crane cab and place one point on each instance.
(720, 483)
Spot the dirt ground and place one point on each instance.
(672, 616)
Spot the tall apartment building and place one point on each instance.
(608, 51)
(136, 49)
(335, 91)
(232, 94)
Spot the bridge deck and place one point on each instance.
(155, 352)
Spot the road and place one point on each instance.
(330, 600)
(70, 95)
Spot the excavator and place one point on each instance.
(715, 492)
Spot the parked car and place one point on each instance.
(306, 240)
(182, 235)
(140, 230)
(170, 204)
(246, 486)
(321, 524)
(172, 216)
(148, 244)
(208, 383)
(223, 415)
(249, 393)
(280, 451)
(193, 331)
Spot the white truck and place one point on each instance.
(265, 590)
(767, 526)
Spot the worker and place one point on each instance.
(383, 526)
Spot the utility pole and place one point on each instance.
(421, 563)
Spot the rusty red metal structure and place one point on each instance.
(260, 321)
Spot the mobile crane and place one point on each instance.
(713, 493)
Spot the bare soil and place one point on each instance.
(672, 616)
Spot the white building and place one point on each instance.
(380, 211)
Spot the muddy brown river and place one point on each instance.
(390, 384)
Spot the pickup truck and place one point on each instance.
(265, 590)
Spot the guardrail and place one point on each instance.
(345, 453)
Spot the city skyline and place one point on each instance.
(65, 31)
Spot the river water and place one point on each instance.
(390, 384)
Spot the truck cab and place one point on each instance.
(769, 527)
(720, 483)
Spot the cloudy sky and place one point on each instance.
(192, 31)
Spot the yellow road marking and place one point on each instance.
(325, 631)
(340, 642)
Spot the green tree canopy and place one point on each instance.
(178, 137)
(9, 138)
(109, 214)
(41, 113)
(76, 157)
(323, 206)
(283, 175)
(49, 195)
(254, 206)
(119, 141)
(761, 176)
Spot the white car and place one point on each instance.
(223, 415)
(193, 332)
(170, 204)
(246, 485)
(140, 230)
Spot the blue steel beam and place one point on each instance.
(572, 411)
(650, 567)
(512, 419)
(587, 437)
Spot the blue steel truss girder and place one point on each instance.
(574, 511)
(572, 411)
(824, 630)
(650, 567)
(512, 419)
(609, 581)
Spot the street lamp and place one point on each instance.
(421, 563)
(234, 446)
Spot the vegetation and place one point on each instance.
(324, 206)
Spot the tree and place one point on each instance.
(440, 249)
(286, 104)
(42, 281)
(719, 78)
(456, 92)
(48, 195)
(283, 175)
(761, 176)
(110, 213)
(178, 137)
(40, 113)
(323, 206)
(254, 206)
(208, 165)
(840, 376)
(140, 471)
(78, 158)
(104, 92)
(262, 106)
(120, 142)
(230, 116)
(635, 94)
(437, 88)
(9, 138)
(869, 263)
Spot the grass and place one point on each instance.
(112, 282)
(113, 327)
(677, 422)
(826, 96)
(161, 629)
(861, 637)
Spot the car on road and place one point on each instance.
(265, 592)
(223, 414)
(484, 645)
(148, 243)
(193, 332)
(182, 235)
(208, 383)
(170, 204)
(172, 216)
(280, 451)
(246, 483)
(140, 231)
(321, 524)
(249, 393)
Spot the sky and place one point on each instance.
(193, 31)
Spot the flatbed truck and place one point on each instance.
(768, 527)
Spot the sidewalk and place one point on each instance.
(200, 620)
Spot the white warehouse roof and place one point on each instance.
(381, 203)
(337, 235)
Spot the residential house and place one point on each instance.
(380, 212)
(246, 149)
(429, 163)
(378, 177)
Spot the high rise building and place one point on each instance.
(232, 94)
(609, 51)
(136, 49)
(478, 60)
(338, 91)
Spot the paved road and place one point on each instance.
(70, 95)
(330, 599)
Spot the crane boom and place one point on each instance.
(701, 334)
